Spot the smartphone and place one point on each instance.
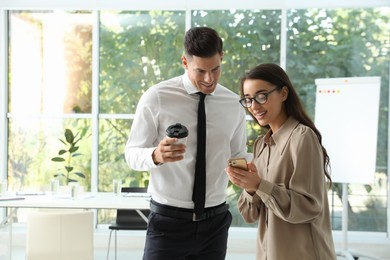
(238, 163)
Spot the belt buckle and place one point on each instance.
(194, 218)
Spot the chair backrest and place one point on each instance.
(131, 218)
(60, 236)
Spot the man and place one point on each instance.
(175, 230)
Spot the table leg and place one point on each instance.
(8, 222)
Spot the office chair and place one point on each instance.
(60, 236)
(128, 219)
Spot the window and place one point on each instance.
(50, 75)
(330, 43)
(86, 70)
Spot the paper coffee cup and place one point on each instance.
(178, 131)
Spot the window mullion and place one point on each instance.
(95, 102)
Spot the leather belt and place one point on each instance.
(187, 214)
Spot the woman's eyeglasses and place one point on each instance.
(260, 98)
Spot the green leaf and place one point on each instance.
(73, 149)
(69, 136)
(80, 174)
(76, 141)
(58, 159)
(62, 141)
(69, 168)
(61, 152)
(74, 138)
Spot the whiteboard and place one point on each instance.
(346, 114)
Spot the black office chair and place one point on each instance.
(128, 219)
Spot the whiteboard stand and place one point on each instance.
(344, 227)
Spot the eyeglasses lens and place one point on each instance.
(247, 102)
(260, 98)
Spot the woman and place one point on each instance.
(285, 189)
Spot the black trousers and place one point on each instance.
(179, 239)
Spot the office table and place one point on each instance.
(86, 200)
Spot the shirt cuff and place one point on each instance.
(264, 190)
(253, 199)
(150, 161)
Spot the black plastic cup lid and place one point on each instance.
(177, 131)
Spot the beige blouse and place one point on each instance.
(291, 203)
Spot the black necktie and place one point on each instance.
(198, 195)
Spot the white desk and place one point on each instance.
(86, 200)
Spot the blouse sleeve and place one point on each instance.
(302, 201)
(301, 198)
(249, 207)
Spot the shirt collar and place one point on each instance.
(189, 87)
(282, 135)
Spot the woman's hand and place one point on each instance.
(248, 180)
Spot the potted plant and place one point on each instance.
(66, 155)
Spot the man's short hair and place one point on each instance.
(202, 42)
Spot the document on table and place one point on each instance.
(137, 194)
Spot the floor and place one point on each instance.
(122, 255)
(101, 254)
(241, 246)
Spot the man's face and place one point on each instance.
(204, 73)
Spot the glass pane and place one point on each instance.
(137, 50)
(328, 43)
(112, 140)
(50, 57)
(250, 37)
(32, 145)
(112, 165)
